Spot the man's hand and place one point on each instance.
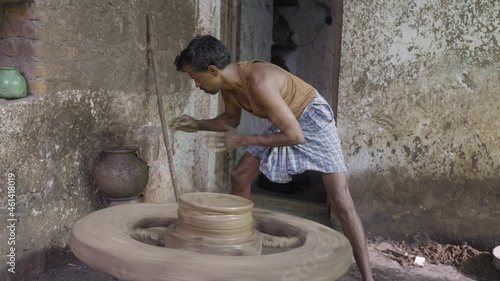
(184, 123)
(230, 139)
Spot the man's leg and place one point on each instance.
(341, 201)
(243, 174)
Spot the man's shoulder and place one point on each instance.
(262, 70)
(252, 61)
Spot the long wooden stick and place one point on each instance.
(166, 138)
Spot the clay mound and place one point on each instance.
(444, 254)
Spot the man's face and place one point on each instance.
(207, 80)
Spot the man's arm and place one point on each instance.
(229, 118)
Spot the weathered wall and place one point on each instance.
(96, 92)
(256, 33)
(418, 116)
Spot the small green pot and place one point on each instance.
(12, 83)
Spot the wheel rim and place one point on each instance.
(103, 241)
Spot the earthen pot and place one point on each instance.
(120, 174)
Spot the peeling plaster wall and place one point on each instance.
(256, 33)
(92, 56)
(418, 115)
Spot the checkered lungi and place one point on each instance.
(321, 150)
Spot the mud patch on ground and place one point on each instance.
(464, 257)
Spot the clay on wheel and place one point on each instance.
(104, 240)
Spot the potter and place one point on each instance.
(303, 135)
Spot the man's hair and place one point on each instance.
(203, 51)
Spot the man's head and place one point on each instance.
(203, 59)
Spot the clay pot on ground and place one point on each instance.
(12, 83)
(120, 174)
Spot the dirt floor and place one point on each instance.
(391, 261)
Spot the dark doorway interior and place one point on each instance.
(302, 42)
(306, 187)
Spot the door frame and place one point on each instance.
(229, 36)
(338, 14)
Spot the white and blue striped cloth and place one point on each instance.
(321, 150)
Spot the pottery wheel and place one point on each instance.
(128, 242)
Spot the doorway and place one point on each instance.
(303, 37)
